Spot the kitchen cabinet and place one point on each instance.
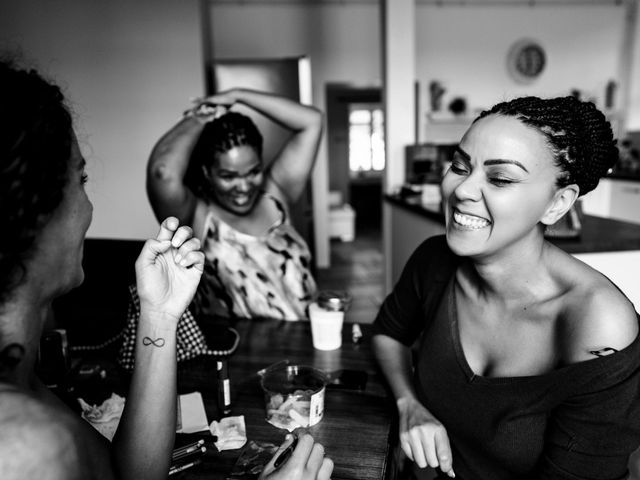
(617, 198)
(625, 200)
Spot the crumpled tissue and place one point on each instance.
(231, 433)
(105, 417)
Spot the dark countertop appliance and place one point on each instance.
(425, 162)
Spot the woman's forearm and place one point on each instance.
(146, 433)
(394, 359)
(288, 113)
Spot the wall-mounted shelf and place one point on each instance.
(445, 128)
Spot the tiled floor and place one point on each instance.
(357, 267)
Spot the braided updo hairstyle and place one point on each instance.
(579, 135)
(231, 130)
(35, 148)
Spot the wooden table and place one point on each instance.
(356, 425)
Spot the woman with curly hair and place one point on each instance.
(45, 213)
(528, 362)
(208, 171)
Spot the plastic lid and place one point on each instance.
(334, 300)
(288, 379)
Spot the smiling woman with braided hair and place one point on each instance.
(528, 363)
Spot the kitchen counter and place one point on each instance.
(623, 175)
(598, 234)
(616, 196)
(611, 246)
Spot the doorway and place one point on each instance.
(356, 153)
(354, 133)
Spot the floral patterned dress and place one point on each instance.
(255, 276)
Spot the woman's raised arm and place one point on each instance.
(168, 271)
(166, 168)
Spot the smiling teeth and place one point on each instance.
(469, 221)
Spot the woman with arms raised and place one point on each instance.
(528, 364)
(45, 213)
(208, 171)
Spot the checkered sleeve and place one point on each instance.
(190, 339)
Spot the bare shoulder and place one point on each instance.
(34, 443)
(37, 442)
(598, 319)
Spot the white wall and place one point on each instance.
(342, 42)
(465, 48)
(633, 116)
(129, 68)
(621, 268)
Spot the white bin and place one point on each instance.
(342, 221)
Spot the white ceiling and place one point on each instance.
(443, 3)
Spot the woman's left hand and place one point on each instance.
(226, 98)
(422, 437)
(168, 271)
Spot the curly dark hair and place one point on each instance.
(35, 147)
(579, 135)
(231, 130)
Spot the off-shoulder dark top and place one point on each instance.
(580, 421)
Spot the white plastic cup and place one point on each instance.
(326, 327)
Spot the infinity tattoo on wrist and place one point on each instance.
(158, 342)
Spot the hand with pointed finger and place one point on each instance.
(423, 438)
(307, 462)
(168, 270)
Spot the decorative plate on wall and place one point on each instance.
(526, 61)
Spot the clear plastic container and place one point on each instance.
(294, 395)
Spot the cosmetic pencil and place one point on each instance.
(189, 452)
(197, 443)
(180, 468)
(178, 450)
(286, 453)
